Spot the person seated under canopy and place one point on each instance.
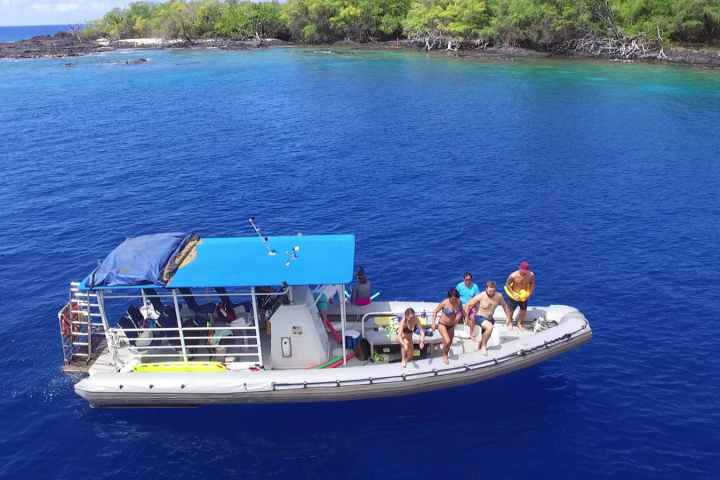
(361, 290)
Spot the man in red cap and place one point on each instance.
(519, 286)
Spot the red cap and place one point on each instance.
(524, 265)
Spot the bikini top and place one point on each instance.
(449, 312)
(407, 330)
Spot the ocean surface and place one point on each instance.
(13, 34)
(605, 176)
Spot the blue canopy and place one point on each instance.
(245, 262)
(137, 261)
(227, 262)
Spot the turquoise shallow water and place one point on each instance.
(604, 176)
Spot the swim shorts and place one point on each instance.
(515, 303)
(479, 319)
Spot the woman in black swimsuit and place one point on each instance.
(452, 313)
(405, 332)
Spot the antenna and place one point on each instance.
(266, 241)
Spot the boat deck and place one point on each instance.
(462, 344)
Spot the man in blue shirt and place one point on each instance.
(468, 290)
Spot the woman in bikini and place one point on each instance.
(405, 332)
(451, 313)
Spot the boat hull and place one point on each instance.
(187, 390)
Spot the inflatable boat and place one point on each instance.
(179, 320)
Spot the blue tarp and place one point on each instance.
(245, 262)
(137, 261)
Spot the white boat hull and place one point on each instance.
(340, 384)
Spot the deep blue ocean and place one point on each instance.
(605, 176)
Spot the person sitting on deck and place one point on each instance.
(407, 326)
(361, 290)
(452, 313)
(484, 305)
(468, 289)
(519, 286)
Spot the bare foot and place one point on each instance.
(403, 363)
(445, 359)
(483, 350)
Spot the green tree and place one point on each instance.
(444, 22)
(175, 19)
(311, 20)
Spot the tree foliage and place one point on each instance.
(533, 23)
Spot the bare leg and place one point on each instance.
(521, 319)
(470, 322)
(406, 350)
(509, 321)
(447, 340)
(486, 329)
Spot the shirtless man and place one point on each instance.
(485, 304)
(519, 286)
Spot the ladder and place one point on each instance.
(86, 333)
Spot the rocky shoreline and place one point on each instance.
(65, 44)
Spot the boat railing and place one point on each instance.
(226, 343)
(81, 326)
(480, 364)
(372, 315)
(86, 330)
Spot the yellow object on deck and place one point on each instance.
(384, 321)
(387, 320)
(180, 367)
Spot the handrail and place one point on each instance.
(192, 346)
(78, 343)
(434, 372)
(88, 306)
(423, 314)
(203, 295)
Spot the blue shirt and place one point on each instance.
(466, 294)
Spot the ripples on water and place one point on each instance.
(604, 176)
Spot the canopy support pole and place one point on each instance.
(179, 323)
(341, 291)
(256, 318)
(106, 325)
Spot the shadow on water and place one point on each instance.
(255, 438)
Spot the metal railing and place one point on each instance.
(225, 343)
(150, 342)
(435, 372)
(83, 324)
(424, 315)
